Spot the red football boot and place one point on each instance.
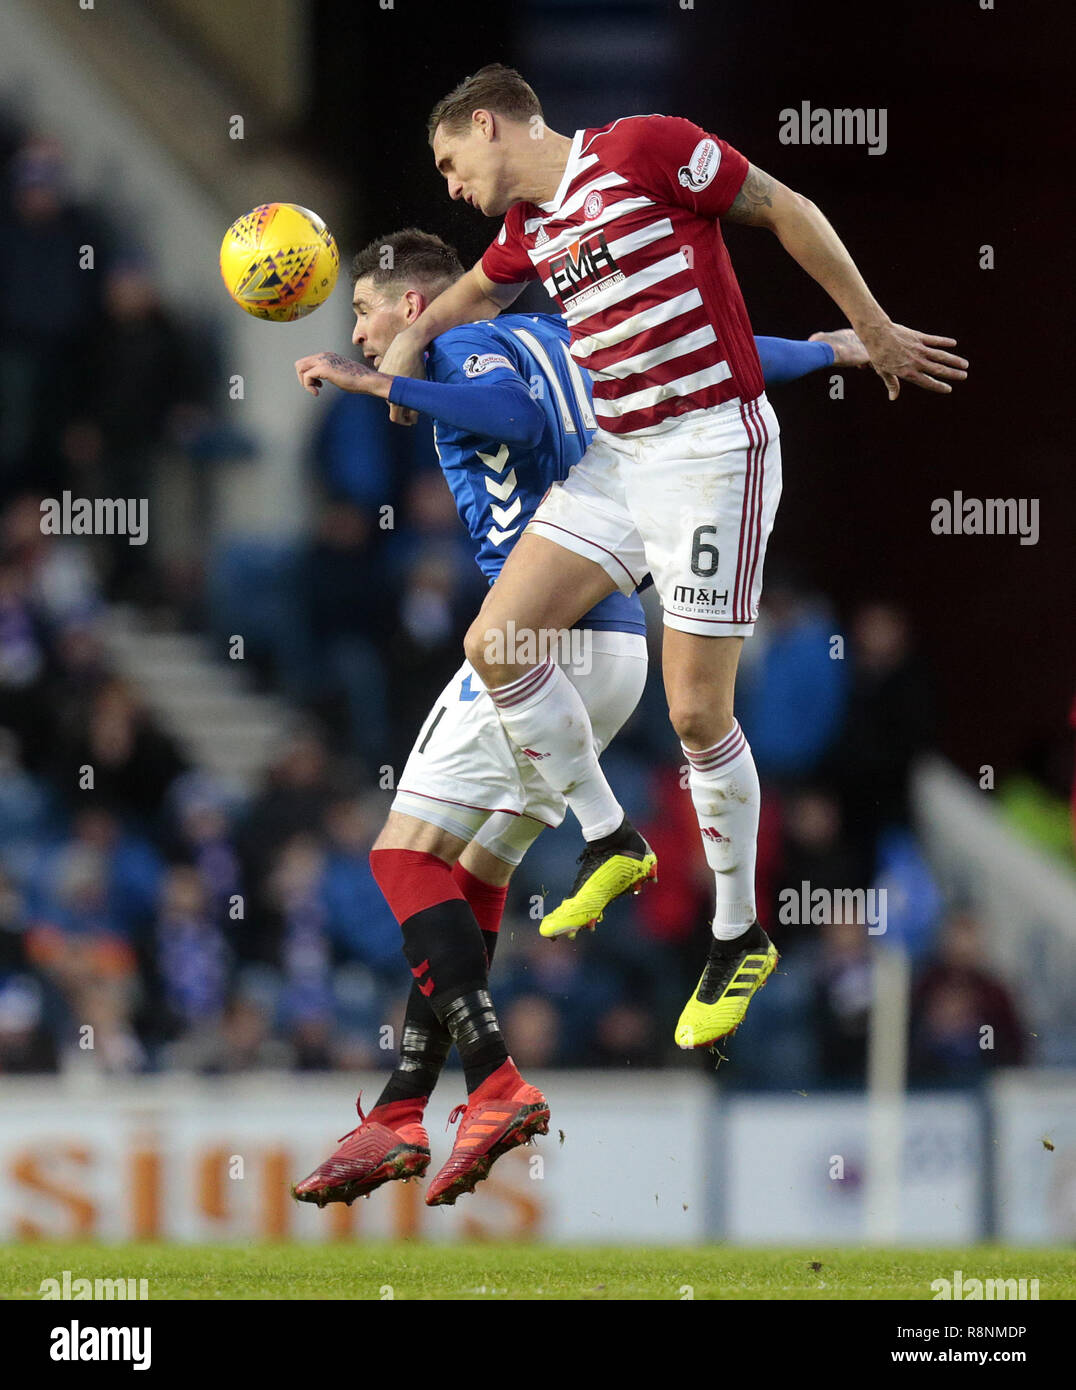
(502, 1113)
(387, 1144)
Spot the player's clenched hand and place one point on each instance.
(403, 359)
(904, 354)
(349, 375)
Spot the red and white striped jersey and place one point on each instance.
(631, 250)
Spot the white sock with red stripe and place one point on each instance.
(545, 717)
(724, 787)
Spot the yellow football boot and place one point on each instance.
(730, 981)
(620, 863)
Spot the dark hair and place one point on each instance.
(493, 88)
(406, 258)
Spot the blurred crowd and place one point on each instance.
(152, 917)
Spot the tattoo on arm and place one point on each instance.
(757, 193)
(345, 364)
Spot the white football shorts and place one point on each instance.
(693, 505)
(466, 775)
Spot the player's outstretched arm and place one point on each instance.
(896, 353)
(474, 296)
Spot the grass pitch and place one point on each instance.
(510, 1272)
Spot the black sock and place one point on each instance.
(425, 1044)
(752, 939)
(445, 948)
(624, 837)
(423, 1049)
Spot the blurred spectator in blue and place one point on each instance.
(191, 968)
(26, 1045)
(203, 837)
(25, 800)
(964, 1019)
(889, 720)
(350, 614)
(913, 900)
(125, 866)
(47, 313)
(354, 452)
(359, 921)
(791, 692)
(78, 944)
(304, 951)
(427, 522)
(23, 661)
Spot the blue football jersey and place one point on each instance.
(498, 487)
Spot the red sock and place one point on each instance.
(447, 951)
(398, 1113)
(504, 1082)
(486, 899)
(413, 881)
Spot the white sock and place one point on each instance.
(545, 717)
(724, 787)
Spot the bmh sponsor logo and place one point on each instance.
(806, 906)
(988, 1289)
(991, 516)
(821, 125)
(97, 516)
(572, 648)
(67, 1287)
(586, 267)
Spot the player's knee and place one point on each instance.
(474, 645)
(699, 723)
(487, 652)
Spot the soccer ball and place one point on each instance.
(279, 261)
